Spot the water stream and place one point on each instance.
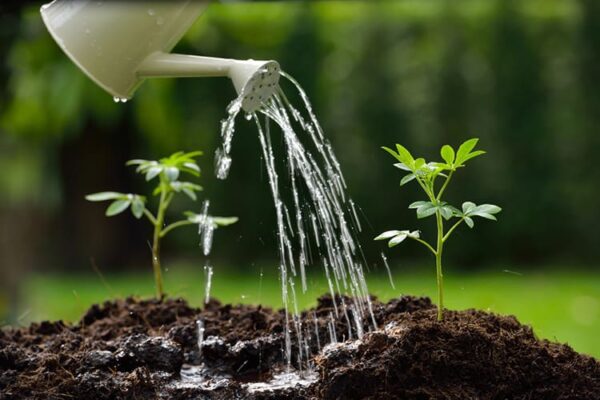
(316, 220)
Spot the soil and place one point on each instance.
(148, 349)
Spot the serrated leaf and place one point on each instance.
(137, 207)
(388, 234)
(153, 172)
(396, 240)
(117, 207)
(447, 154)
(103, 196)
(407, 178)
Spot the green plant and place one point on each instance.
(167, 171)
(426, 174)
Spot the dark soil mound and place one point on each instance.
(131, 349)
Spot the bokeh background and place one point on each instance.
(523, 76)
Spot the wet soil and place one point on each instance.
(148, 349)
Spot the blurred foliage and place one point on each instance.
(522, 76)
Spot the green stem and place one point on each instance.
(425, 244)
(452, 229)
(150, 217)
(159, 221)
(441, 192)
(438, 265)
(175, 225)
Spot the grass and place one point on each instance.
(561, 306)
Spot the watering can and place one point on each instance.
(118, 44)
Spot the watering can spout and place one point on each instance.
(120, 43)
(256, 81)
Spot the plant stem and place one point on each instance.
(441, 192)
(452, 229)
(438, 265)
(159, 221)
(424, 243)
(175, 225)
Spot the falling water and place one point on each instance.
(208, 273)
(387, 267)
(200, 327)
(206, 229)
(319, 212)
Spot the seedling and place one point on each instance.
(167, 171)
(426, 174)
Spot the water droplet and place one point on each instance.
(248, 117)
(151, 12)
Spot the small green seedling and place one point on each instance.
(426, 174)
(167, 171)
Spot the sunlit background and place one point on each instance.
(522, 76)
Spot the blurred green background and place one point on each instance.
(521, 75)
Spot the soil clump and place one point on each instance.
(149, 349)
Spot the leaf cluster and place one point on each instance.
(427, 174)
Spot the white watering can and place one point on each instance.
(119, 43)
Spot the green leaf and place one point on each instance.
(426, 210)
(102, 196)
(190, 193)
(137, 207)
(407, 178)
(172, 173)
(473, 155)
(388, 234)
(136, 162)
(224, 221)
(192, 165)
(447, 153)
(402, 167)
(465, 152)
(469, 222)
(447, 212)
(117, 207)
(153, 172)
(467, 206)
(396, 240)
(486, 211)
(418, 204)
(402, 155)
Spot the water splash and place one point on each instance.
(318, 215)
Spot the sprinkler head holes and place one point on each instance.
(261, 86)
